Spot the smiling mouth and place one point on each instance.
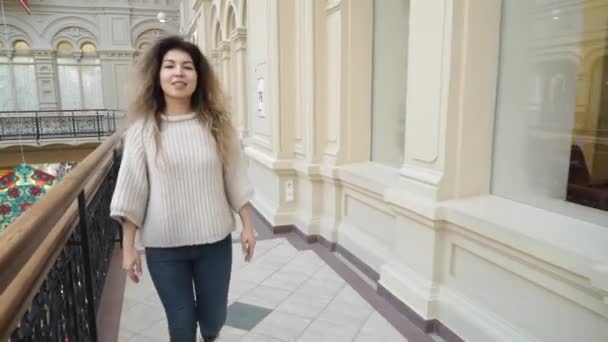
(179, 83)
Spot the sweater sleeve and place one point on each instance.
(130, 197)
(239, 189)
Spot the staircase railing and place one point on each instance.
(55, 257)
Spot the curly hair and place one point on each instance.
(147, 97)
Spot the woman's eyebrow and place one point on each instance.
(172, 61)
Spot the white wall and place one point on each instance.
(489, 268)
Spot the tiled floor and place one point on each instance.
(283, 295)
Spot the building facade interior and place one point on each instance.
(451, 156)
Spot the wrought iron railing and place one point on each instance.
(54, 259)
(58, 124)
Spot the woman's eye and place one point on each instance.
(168, 66)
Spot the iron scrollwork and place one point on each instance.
(39, 125)
(64, 309)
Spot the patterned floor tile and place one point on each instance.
(285, 294)
(245, 316)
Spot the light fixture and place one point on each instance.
(162, 17)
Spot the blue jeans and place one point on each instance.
(174, 271)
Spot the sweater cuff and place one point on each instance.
(239, 199)
(121, 216)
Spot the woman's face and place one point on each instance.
(178, 76)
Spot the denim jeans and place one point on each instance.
(192, 283)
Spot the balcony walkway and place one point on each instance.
(292, 291)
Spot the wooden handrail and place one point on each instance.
(29, 246)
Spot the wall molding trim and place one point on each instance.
(428, 326)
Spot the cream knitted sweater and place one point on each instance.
(180, 196)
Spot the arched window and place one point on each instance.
(64, 47)
(88, 48)
(21, 45)
(80, 83)
(145, 46)
(18, 86)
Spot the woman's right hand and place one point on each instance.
(131, 263)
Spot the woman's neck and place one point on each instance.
(177, 107)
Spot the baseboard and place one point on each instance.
(432, 326)
(482, 324)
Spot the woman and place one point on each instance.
(182, 176)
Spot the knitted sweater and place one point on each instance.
(181, 195)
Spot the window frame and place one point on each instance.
(79, 59)
(554, 206)
(12, 56)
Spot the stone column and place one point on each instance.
(45, 77)
(215, 63)
(347, 71)
(224, 49)
(115, 69)
(239, 88)
(448, 137)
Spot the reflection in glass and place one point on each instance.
(64, 47)
(69, 88)
(21, 45)
(88, 48)
(551, 139)
(25, 87)
(91, 86)
(391, 19)
(5, 88)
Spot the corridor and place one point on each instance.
(292, 291)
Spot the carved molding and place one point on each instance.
(12, 34)
(10, 53)
(238, 34)
(150, 36)
(332, 5)
(116, 54)
(74, 35)
(43, 53)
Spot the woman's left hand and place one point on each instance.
(247, 243)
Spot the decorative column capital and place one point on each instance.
(215, 54)
(239, 39)
(118, 54)
(239, 33)
(43, 54)
(77, 55)
(10, 53)
(224, 49)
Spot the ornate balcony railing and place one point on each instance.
(55, 257)
(58, 124)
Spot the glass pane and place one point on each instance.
(89, 61)
(23, 60)
(144, 46)
(389, 81)
(64, 47)
(551, 139)
(88, 48)
(6, 102)
(21, 45)
(69, 87)
(66, 60)
(25, 87)
(91, 86)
